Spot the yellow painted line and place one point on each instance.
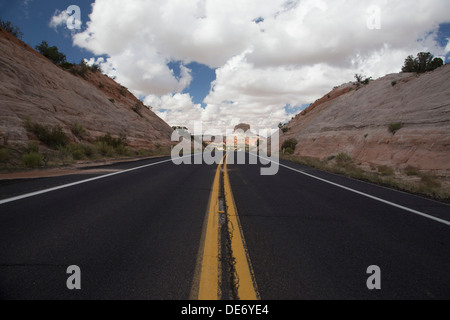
(210, 271)
(247, 287)
(210, 276)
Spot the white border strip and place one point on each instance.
(37, 193)
(367, 195)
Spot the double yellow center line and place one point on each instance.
(210, 278)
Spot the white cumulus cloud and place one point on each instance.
(268, 53)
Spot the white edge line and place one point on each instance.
(365, 194)
(33, 194)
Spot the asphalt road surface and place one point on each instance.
(138, 234)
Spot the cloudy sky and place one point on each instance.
(230, 61)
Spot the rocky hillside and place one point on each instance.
(400, 120)
(33, 88)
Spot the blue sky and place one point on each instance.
(33, 18)
(190, 61)
(202, 76)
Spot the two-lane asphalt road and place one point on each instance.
(313, 235)
(134, 236)
(138, 234)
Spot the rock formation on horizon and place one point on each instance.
(243, 126)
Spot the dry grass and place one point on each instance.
(428, 185)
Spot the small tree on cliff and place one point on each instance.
(424, 62)
(51, 53)
(9, 27)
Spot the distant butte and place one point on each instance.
(243, 126)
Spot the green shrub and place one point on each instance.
(78, 131)
(331, 158)
(412, 171)
(33, 147)
(80, 69)
(144, 152)
(105, 149)
(289, 151)
(395, 127)
(56, 137)
(343, 159)
(32, 160)
(394, 83)
(4, 155)
(78, 155)
(284, 127)
(78, 152)
(77, 69)
(51, 53)
(53, 137)
(67, 66)
(138, 109)
(65, 154)
(424, 62)
(89, 151)
(289, 144)
(360, 79)
(123, 91)
(121, 141)
(12, 29)
(430, 181)
(123, 151)
(385, 171)
(95, 68)
(109, 146)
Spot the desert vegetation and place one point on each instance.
(288, 147)
(410, 179)
(52, 136)
(424, 62)
(395, 127)
(51, 146)
(362, 80)
(78, 131)
(284, 127)
(54, 55)
(8, 26)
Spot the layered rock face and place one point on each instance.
(32, 87)
(357, 121)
